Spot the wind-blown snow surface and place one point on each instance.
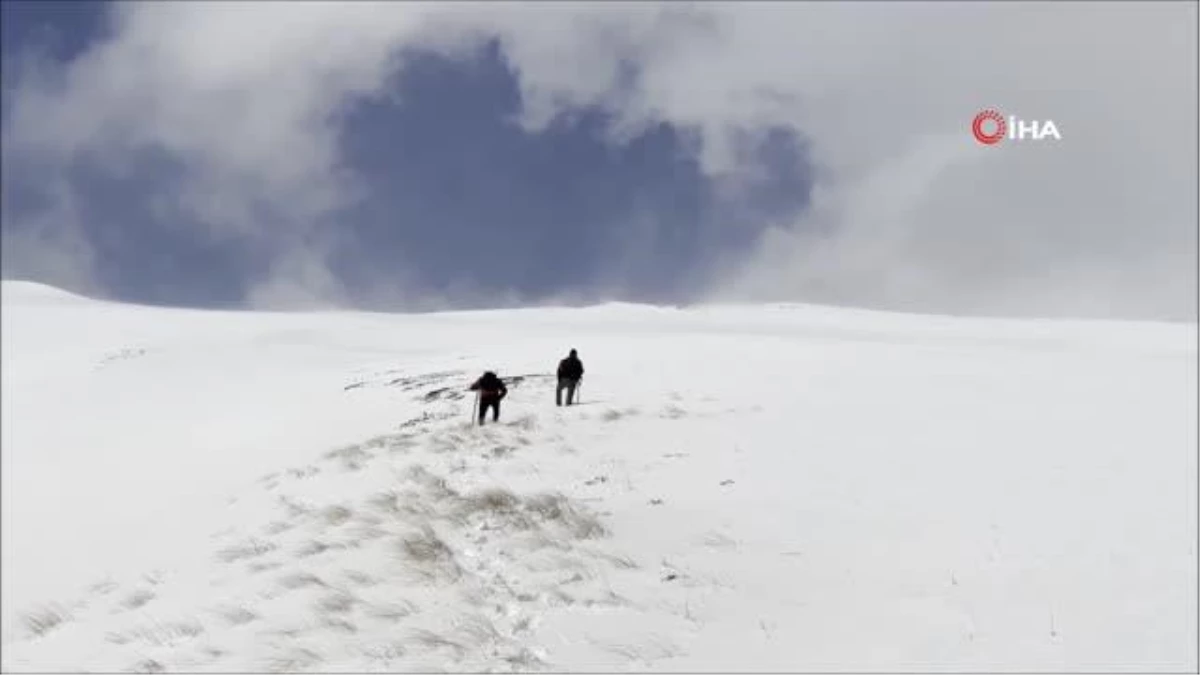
(782, 487)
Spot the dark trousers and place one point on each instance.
(569, 385)
(486, 402)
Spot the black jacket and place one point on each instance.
(570, 368)
(490, 386)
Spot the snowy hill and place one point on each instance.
(745, 488)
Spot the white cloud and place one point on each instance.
(248, 96)
(923, 217)
(48, 247)
(243, 94)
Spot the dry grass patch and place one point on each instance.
(43, 620)
(392, 611)
(337, 602)
(138, 598)
(251, 548)
(336, 515)
(301, 580)
(237, 616)
(431, 555)
(558, 510)
(293, 660)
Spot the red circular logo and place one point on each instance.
(986, 119)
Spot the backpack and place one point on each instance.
(489, 383)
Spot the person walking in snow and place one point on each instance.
(570, 372)
(491, 391)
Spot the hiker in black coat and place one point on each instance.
(491, 390)
(570, 371)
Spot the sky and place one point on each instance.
(420, 156)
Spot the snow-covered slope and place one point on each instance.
(746, 488)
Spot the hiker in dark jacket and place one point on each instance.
(570, 371)
(491, 390)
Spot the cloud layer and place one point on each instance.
(248, 105)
